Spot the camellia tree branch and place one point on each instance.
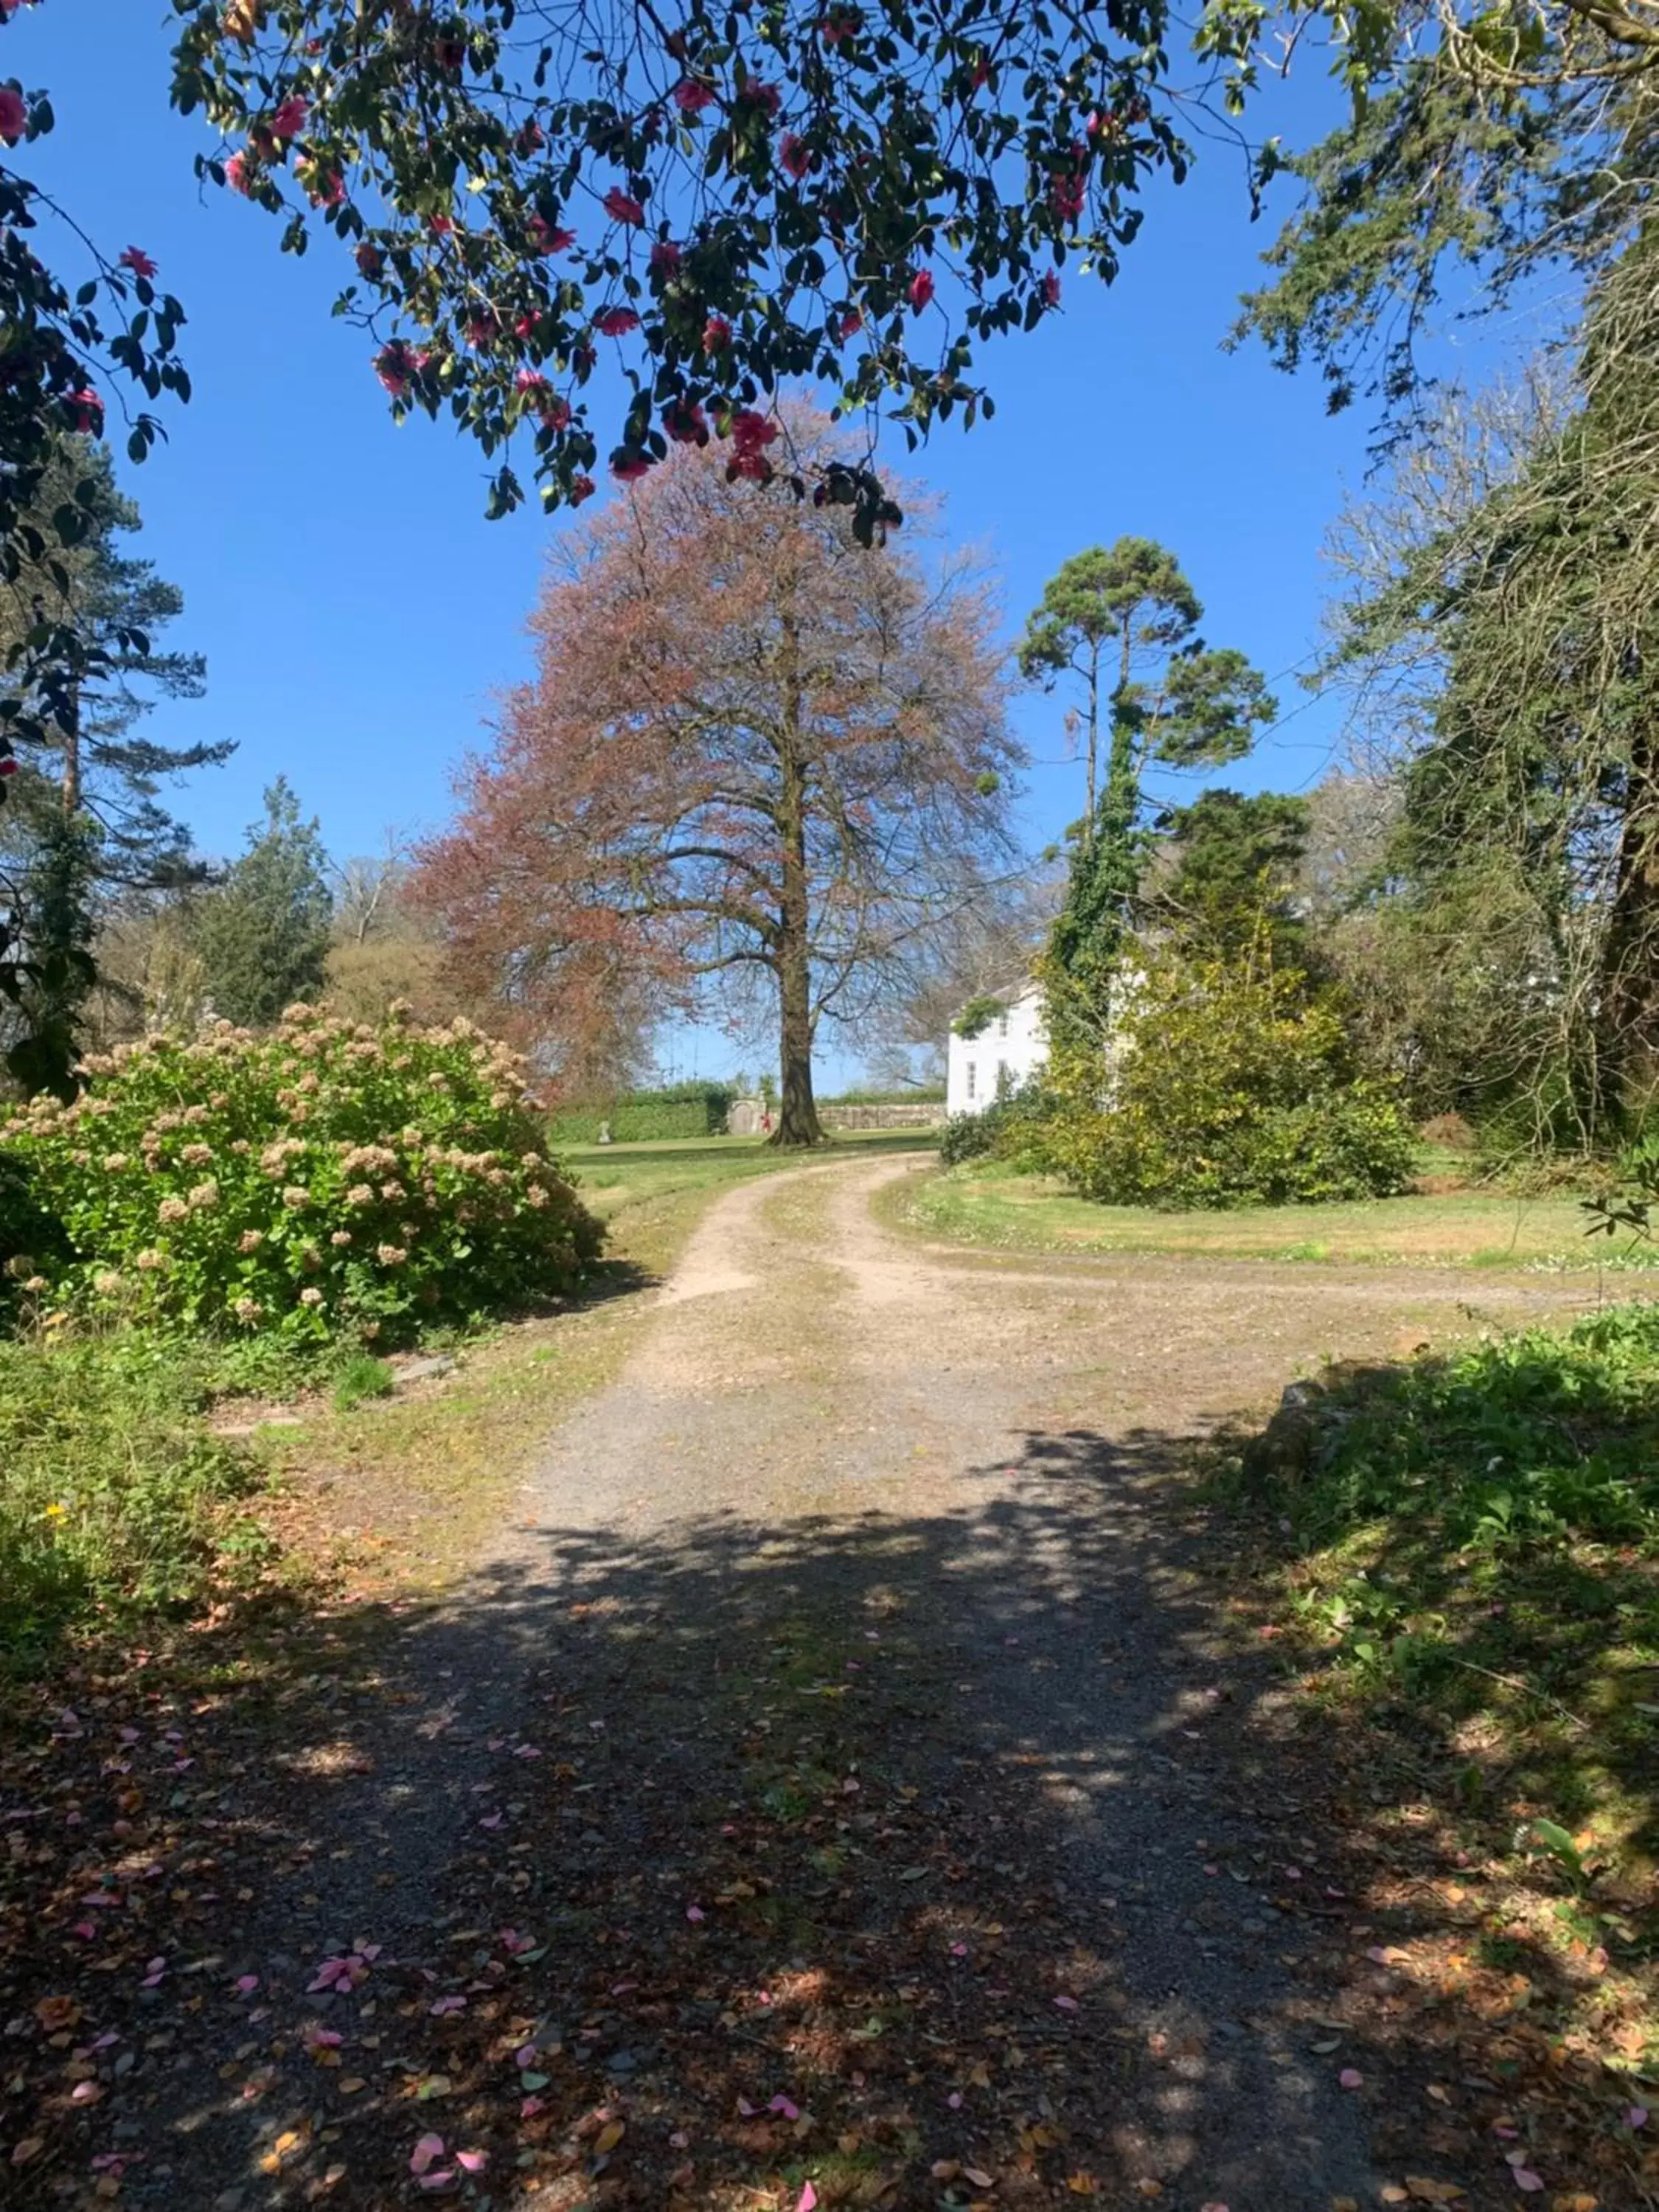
(855, 191)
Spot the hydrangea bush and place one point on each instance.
(320, 1180)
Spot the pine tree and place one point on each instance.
(1176, 703)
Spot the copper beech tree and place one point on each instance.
(753, 752)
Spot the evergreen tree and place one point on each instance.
(1232, 866)
(263, 934)
(84, 827)
(1175, 702)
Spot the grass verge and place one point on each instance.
(115, 1503)
(121, 1502)
(987, 1206)
(1463, 1553)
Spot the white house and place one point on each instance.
(1011, 1046)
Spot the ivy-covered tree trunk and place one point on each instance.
(1629, 1038)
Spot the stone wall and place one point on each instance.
(926, 1114)
(744, 1117)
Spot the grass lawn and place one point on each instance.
(1470, 1228)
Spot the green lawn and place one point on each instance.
(1475, 1229)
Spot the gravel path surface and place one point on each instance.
(840, 1779)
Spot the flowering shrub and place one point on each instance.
(317, 1180)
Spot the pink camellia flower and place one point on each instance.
(530, 140)
(138, 261)
(616, 322)
(690, 97)
(629, 467)
(289, 120)
(370, 260)
(394, 366)
(581, 488)
(1051, 291)
(1066, 196)
(665, 257)
(440, 225)
(836, 30)
(618, 202)
(88, 409)
(921, 289)
(716, 334)
(794, 154)
(324, 187)
(687, 425)
(751, 433)
(545, 239)
(482, 331)
(852, 323)
(530, 384)
(8, 765)
(450, 53)
(238, 171)
(14, 114)
(765, 97)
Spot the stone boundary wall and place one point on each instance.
(928, 1114)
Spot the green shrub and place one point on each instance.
(909, 1094)
(1233, 1085)
(679, 1110)
(30, 1236)
(1014, 1129)
(316, 1181)
(1537, 1435)
(114, 1500)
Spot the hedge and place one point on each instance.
(679, 1110)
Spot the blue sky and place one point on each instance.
(358, 613)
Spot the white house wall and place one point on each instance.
(1011, 1049)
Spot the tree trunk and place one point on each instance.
(72, 757)
(797, 1115)
(1094, 736)
(1629, 1042)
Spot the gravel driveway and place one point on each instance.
(842, 1784)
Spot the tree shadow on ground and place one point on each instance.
(977, 1857)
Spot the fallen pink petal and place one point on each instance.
(426, 2151)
